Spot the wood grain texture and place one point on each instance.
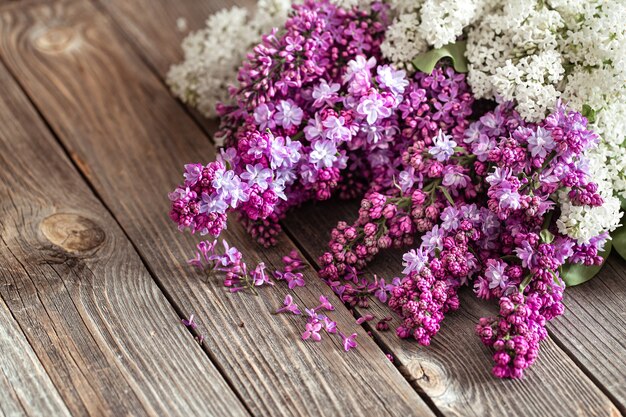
(152, 24)
(106, 335)
(593, 327)
(25, 388)
(131, 139)
(455, 370)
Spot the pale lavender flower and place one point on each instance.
(450, 218)
(527, 255)
(540, 143)
(323, 93)
(257, 174)
(373, 108)
(414, 261)
(495, 274)
(394, 80)
(406, 179)
(263, 117)
(324, 153)
(443, 147)
(288, 114)
(336, 129)
(453, 177)
(192, 174)
(433, 239)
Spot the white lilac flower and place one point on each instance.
(213, 54)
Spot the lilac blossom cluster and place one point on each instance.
(478, 196)
(486, 207)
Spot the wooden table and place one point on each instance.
(93, 282)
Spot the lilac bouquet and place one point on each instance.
(478, 195)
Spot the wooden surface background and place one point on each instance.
(93, 283)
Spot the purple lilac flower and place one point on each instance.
(288, 114)
(324, 153)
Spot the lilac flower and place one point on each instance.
(314, 129)
(312, 330)
(263, 117)
(357, 65)
(454, 177)
(450, 218)
(433, 239)
(443, 147)
(212, 204)
(324, 153)
(349, 342)
(231, 255)
(413, 261)
(258, 175)
(373, 108)
(192, 174)
(259, 277)
(382, 289)
(288, 114)
(294, 279)
(363, 319)
(325, 304)
(495, 274)
(526, 254)
(278, 153)
(336, 129)
(394, 80)
(540, 142)
(406, 179)
(289, 306)
(189, 322)
(323, 93)
(329, 325)
(508, 196)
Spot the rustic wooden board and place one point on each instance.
(104, 332)
(593, 328)
(130, 138)
(455, 370)
(25, 388)
(152, 24)
(129, 18)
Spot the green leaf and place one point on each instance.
(546, 236)
(447, 195)
(575, 274)
(455, 51)
(589, 113)
(619, 241)
(622, 201)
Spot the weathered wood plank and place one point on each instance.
(153, 24)
(455, 370)
(593, 328)
(104, 332)
(130, 139)
(25, 388)
(594, 359)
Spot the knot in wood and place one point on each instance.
(55, 40)
(430, 376)
(72, 232)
